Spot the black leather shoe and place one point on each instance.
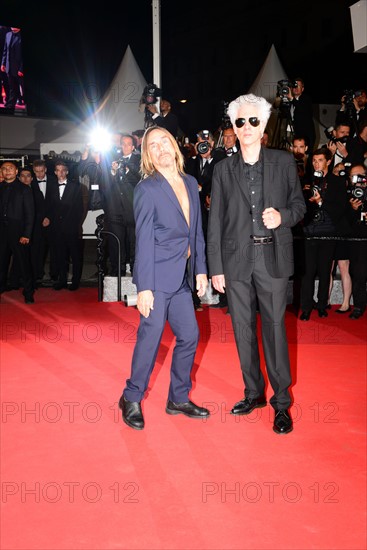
(323, 313)
(343, 310)
(59, 286)
(28, 299)
(132, 414)
(356, 313)
(247, 405)
(188, 409)
(283, 424)
(305, 315)
(73, 286)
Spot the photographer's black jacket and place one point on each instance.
(334, 202)
(118, 192)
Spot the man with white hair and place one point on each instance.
(256, 199)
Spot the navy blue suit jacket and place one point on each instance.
(163, 235)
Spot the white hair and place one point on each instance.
(263, 107)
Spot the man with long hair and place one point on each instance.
(169, 264)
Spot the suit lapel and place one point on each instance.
(172, 196)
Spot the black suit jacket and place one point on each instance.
(230, 247)
(20, 208)
(118, 192)
(169, 122)
(43, 203)
(303, 124)
(66, 214)
(334, 202)
(12, 54)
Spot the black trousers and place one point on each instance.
(271, 294)
(68, 247)
(358, 272)
(318, 260)
(126, 234)
(10, 245)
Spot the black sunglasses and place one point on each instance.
(253, 120)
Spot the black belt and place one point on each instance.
(263, 240)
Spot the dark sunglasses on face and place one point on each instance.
(253, 120)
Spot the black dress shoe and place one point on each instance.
(283, 424)
(132, 414)
(356, 313)
(247, 405)
(343, 310)
(305, 315)
(28, 299)
(323, 313)
(59, 286)
(73, 286)
(188, 409)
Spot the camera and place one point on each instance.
(329, 134)
(318, 216)
(226, 121)
(316, 186)
(345, 173)
(357, 188)
(204, 146)
(151, 93)
(284, 88)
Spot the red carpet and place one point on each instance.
(74, 476)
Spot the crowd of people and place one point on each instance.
(242, 213)
(330, 236)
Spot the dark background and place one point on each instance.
(208, 54)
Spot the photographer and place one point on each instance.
(300, 153)
(118, 199)
(339, 143)
(301, 112)
(326, 199)
(230, 143)
(166, 119)
(358, 146)
(201, 167)
(357, 216)
(353, 109)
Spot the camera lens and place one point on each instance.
(203, 147)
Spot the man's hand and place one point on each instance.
(201, 284)
(355, 203)
(46, 222)
(342, 149)
(145, 302)
(271, 218)
(24, 240)
(219, 283)
(152, 108)
(316, 197)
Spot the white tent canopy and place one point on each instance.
(118, 111)
(265, 84)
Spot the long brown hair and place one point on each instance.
(146, 165)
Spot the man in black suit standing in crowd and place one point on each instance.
(66, 219)
(302, 113)
(16, 224)
(44, 186)
(118, 193)
(256, 199)
(166, 119)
